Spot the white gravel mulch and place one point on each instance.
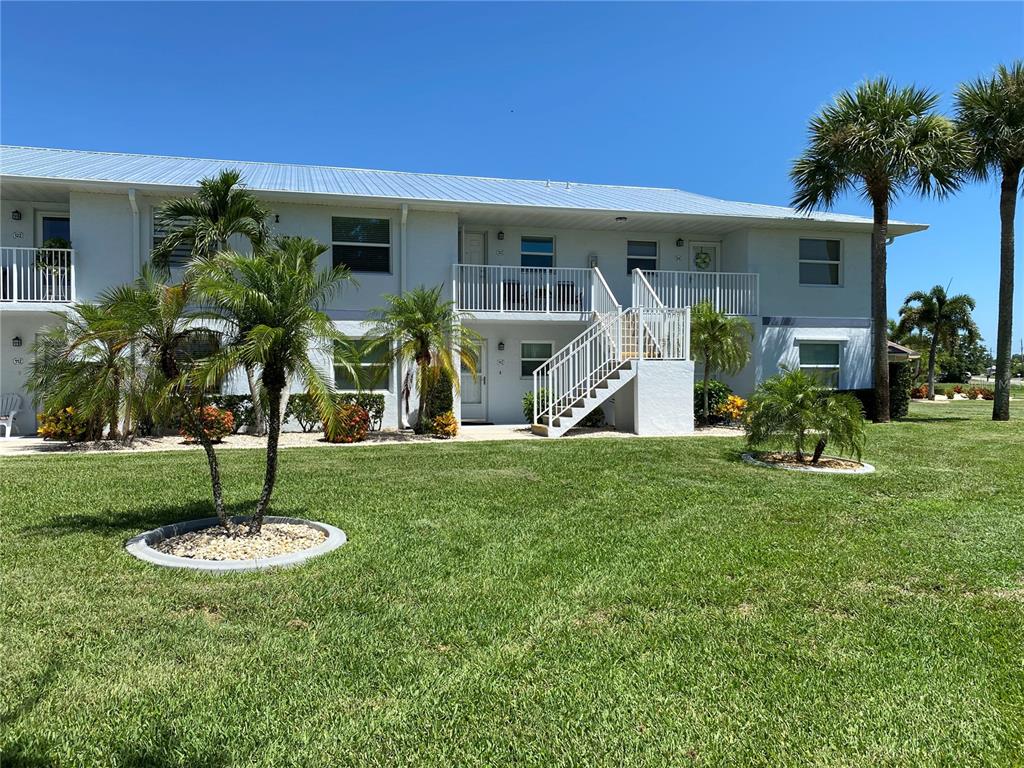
(217, 543)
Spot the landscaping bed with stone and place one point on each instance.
(238, 543)
(825, 464)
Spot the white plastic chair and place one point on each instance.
(10, 404)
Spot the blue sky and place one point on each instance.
(711, 98)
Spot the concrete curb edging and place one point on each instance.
(141, 547)
(864, 469)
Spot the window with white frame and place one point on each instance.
(641, 254)
(820, 359)
(820, 262)
(532, 354)
(371, 367)
(537, 251)
(361, 244)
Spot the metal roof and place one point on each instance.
(160, 171)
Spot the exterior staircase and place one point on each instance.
(595, 365)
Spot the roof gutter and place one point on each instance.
(403, 250)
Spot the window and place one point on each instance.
(55, 227)
(819, 262)
(374, 373)
(532, 354)
(821, 360)
(362, 245)
(182, 253)
(641, 254)
(537, 251)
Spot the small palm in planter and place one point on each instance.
(794, 409)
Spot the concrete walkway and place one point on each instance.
(22, 446)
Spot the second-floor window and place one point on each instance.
(537, 251)
(641, 254)
(182, 254)
(362, 245)
(820, 262)
(374, 373)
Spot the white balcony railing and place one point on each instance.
(37, 276)
(493, 288)
(735, 293)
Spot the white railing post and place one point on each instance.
(14, 277)
(686, 334)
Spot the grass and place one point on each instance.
(601, 601)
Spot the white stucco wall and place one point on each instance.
(15, 361)
(658, 401)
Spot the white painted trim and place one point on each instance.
(841, 262)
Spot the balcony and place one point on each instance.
(734, 293)
(34, 277)
(538, 290)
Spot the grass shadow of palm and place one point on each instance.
(128, 523)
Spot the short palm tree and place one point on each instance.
(793, 408)
(991, 111)
(422, 330)
(84, 362)
(944, 317)
(272, 302)
(204, 223)
(882, 141)
(164, 333)
(720, 342)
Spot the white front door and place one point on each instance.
(704, 257)
(474, 248)
(474, 390)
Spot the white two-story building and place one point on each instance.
(579, 287)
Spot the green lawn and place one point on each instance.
(605, 601)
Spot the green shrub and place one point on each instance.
(528, 403)
(594, 419)
(303, 409)
(901, 379)
(439, 399)
(718, 393)
(351, 425)
(68, 425)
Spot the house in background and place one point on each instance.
(580, 288)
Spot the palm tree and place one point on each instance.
(882, 141)
(793, 407)
(991, 111)
(944, 317)
(719, 341)
(273, 301)
(421, 329)
(164, 334)
(205, 222)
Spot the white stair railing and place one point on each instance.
(603, 300)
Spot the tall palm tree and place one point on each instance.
(944, 317)
(882, 141)
(422, 330)
(720, 342)
(205, 222)
(164, 333)
(991, 111)
(274, 300)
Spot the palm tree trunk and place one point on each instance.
(193, 414)
(259, 423)
(1007, 211)
(273, 436)
(879, 314)
(931, 363)
(818, 450)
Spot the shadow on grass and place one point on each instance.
(128, 523)
(931, 419)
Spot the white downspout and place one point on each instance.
(403, 251)
(136, 232)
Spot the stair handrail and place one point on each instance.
(602, 300)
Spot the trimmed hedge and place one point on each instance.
(302, 408)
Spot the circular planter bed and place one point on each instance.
(827, 465)
(201, 545)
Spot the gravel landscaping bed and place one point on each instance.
(239, 544)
